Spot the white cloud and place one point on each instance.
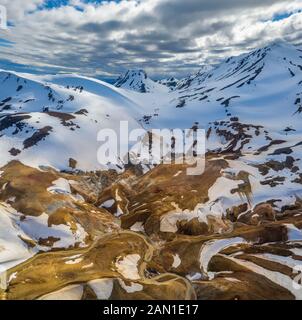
(18, 8)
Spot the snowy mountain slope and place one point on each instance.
(239, 93)
(59, 92)
(260, 89)
(57, 123)
(171, 83)
(264, 84)
(261, 84)
(138, 80)
(81, 83)
(201, 74)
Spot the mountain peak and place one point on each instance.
(133, 79)
(280, 43)
(137, 80)
(280, 48)
(137, 73)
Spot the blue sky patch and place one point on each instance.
(284, 15)
(50, 4)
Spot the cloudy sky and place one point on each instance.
(164, 37)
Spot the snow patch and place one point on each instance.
(128, 266)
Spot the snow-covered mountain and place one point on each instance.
(138, 80)
(186, 82)
(54, 120)
(233, 232)
(260, 91)
(169, 82)
(254, 87)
